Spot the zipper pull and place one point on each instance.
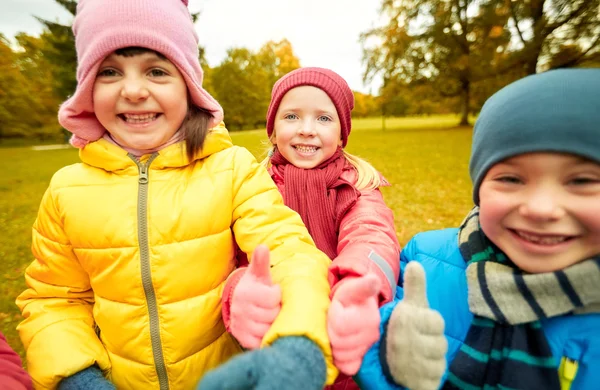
(143, 174)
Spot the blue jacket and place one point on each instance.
(574, 340)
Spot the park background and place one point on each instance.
(426, 67)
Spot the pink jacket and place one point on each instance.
(367, 243)
(12, 374)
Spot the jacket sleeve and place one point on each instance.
(58, 329)
(260, 217)
(12, 374)
(367, 243)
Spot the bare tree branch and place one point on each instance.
(575, 60)
(514, 17)
(576, 12)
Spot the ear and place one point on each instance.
(340, 142)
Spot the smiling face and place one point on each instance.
(542, 210)
(140, 100)
(307, 128)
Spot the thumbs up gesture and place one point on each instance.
(415, 343)
(255, 302)
(353, 321)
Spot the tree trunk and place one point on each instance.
(534, 55)
(383, 117)
(531, 66)
(539, 36)
(464, 120)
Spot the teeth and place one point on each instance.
(139, 118)
(306, 149)
(543, 240)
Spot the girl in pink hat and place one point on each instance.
(133, 245)
(337, 196)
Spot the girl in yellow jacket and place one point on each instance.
(133, 245)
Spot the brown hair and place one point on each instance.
(133, 51)
(195, 124)
(195, 129)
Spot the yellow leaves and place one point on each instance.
(496, 31)
(287, 60)
(503, 10)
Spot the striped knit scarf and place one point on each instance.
(506, 347)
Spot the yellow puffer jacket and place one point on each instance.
(131, 259)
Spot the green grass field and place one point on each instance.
(425, 159)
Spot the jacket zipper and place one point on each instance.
(142, 215)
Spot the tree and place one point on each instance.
(365, 105)
(448, 43)
(241, 85)
(27, 103)
(393, 99)
(11, 101)
(553, 33)
(59, 52)
(242, 82)
(278, 59)
(39, 72)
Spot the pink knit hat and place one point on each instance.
(103, 26)
(330, 82)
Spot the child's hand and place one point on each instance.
(292, 363)
(353, 322)
(415, 345)
(256, 301)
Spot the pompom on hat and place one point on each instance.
(327, 80)
(103, 26)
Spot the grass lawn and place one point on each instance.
(425, 159)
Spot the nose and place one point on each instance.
(307, 128)
(542, 204)
(134, 89)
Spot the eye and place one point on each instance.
(108, 72)
(583, 180)
(157, 72)
(290, 116)
(508, 179)
(325, 118)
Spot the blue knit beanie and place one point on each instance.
(555, 111)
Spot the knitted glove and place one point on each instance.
(353, 321)
(255, 302)
(89, 379)
(415, 345)
(291, 363)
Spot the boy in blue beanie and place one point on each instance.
(511, 298)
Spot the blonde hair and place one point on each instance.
(367, 177)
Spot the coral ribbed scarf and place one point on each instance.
(319, 195)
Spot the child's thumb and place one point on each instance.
(260, 265)
(358, 290)
(415, 287)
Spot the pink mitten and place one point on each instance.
(353, 321)
(255, 302)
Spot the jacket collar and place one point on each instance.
(105, 155)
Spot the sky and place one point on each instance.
(322, 32)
